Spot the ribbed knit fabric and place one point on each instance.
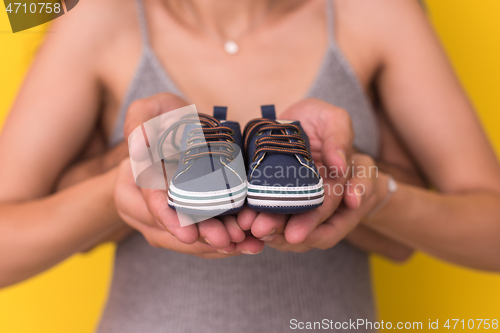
(155, 290)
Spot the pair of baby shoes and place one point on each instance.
(270, 166)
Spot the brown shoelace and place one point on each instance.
(211, 135)
(280, 142)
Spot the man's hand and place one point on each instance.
(95, 159)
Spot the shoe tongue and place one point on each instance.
(283, 121)
(268, 112)
(220, 112)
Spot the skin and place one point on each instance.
(80, 76)
(149, 214)
(417, 89)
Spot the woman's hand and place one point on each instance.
(330, 134)
(345, 222)
(148, 211)
(133, 209)
(361, 193)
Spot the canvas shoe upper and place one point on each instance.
(210, 179)
(282, 177)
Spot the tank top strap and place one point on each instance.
(143, 22)
(330, 20)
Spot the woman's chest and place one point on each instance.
(275, 66)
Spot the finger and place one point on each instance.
(236, 234)
(246, 217)
(214, 233)
(250, 245)
(331, 124)
(336, 133)
(229, 249)
(301, 225)
(145, 109)
(357, 191)
(359, 188)
(129, 200)
(115, 156)
(133, 210)
(157, 203)
(334, 229)
(266, 225)
(279, 243)
(163, 239)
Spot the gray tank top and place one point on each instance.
(156, 290)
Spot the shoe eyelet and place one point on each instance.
(231, 133)
(308, 159)
(189, 141)
(191, 133)
(185, 162)
(301, 141)
(230, 141)
(188, 151)
(230, 160)
(259, 133)
(231, 149)
(297, 132)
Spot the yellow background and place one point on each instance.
(71, 296)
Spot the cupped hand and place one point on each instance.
(330, 133)
(361, 194)
(148, 211)
(134, 210)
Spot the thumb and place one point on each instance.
(145, 109)
(336, 134)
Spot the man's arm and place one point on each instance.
(436, 121)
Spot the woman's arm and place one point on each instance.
(52, 118)
(435, 120)
(38, 234)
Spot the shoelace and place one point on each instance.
(275, 143)
(209, 135)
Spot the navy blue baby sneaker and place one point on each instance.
(210, 179)
(281, 174)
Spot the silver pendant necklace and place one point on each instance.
(230, 46)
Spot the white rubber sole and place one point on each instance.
(272, 196)
(207, 202)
